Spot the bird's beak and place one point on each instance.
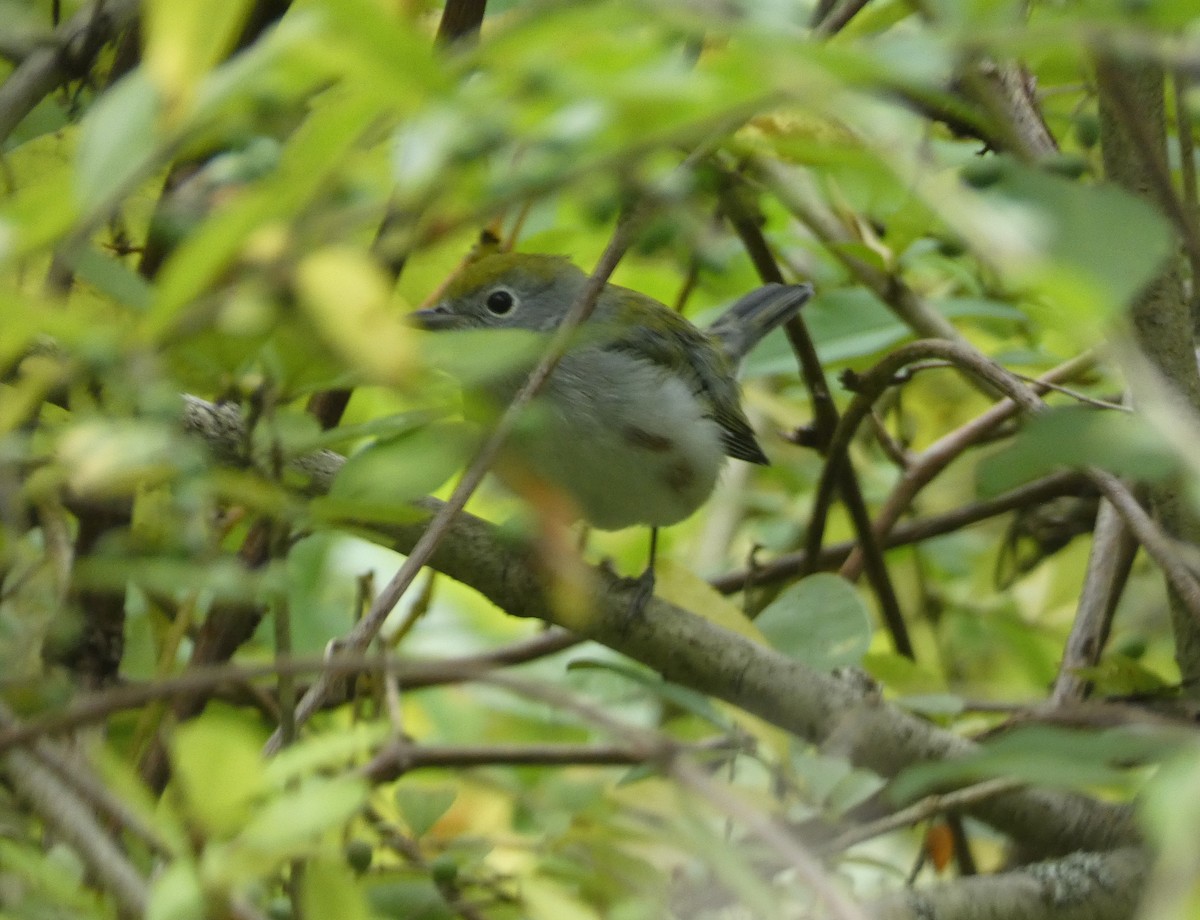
(435, 319)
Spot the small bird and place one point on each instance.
(635, 422)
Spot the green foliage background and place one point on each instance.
(248, 215)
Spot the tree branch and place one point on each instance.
(1082, 886)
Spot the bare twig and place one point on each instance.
(398, 759)
(921, 811)
(1109, 562)
(872, 384)
(748, 228)
(924, 467)
(831, 557)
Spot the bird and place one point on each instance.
(638, 417)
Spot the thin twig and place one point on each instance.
(397, 760)
(1148, 533)
(921, 811)
(749, 230)
(805, 863)
(925, 466)
(1109, 563)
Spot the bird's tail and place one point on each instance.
(752, 316)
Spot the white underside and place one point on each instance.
(583, 437)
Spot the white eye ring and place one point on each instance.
(500, 302)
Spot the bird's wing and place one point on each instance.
(665, 341)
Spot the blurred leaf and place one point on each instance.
(1171, 811)
(117, 140)
(415, 897)
(477, 358)
(820, 620)
(1121, 676)
(291, 822)
(334, 125)
(347, 295)
(1086, 249)
(107, 458)
(113, 278)
(184, 39)
(1044, 756)
(850, 323)
(221, 801)
(30, 868)
(176, 893)
(397, 470)
(422, 805)
(330, 890)
(678, 584)
(35, 211)
(1076, 437)
(687, 700)
(314, 755)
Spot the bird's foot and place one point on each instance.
(643, 590)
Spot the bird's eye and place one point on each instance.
(500, 302)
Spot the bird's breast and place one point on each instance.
(627, 440)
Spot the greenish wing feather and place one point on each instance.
(664, 341)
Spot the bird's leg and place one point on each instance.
(643, 585)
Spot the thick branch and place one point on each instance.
(1083, 886)
(1133, 140)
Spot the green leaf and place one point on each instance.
(117, 457)
(118, 139)
(412, 897)
(422, 806)
(688, 700)
(314, 150)
(395, 471)
(113, 278)
(1074, 437)
(850, 323)
(290, 823)
(331, 890)
(176, 893)
(346, 294)
(1170, 809)
(1045, 756)
(477, 357)
(220, 799)
(184, 39)
(820, 620)
(319, 753)
(1082, 250)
